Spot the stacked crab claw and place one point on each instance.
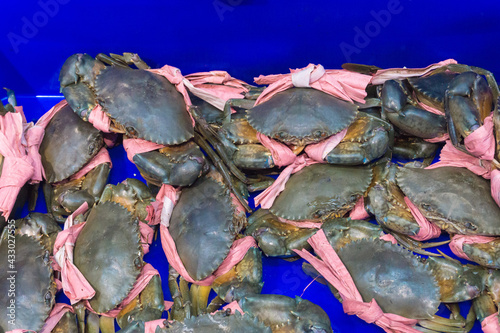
(318, 143)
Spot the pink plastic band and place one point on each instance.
(237, 205)
(458, 241)
(34, 136)
(427, 230)
(450, 156)
(147, 234)
(215, 87)
(163, 206)
(319, 151)
(174, 76)
(281, 153)
(383, 75)
(110, 139)
(495, 186)
(430, 108)
(359, 212)
(101, 157)
(342, 84)
(267, 197)
(138, 146)
(17, 166)
(233, 307)
(150, 326)
(389, 238)
(99, 119)
(441, 138)
(20, 331)
(334, 271)
(481, 142)
(55, 316)
(490, 324)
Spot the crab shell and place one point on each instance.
(215, 323)
(68, 144)
(34, 290)
(202, 226)
(286, 314)
(391, 275)
(342, 231)
(454, 199)
(145, 104)
(41, 227)
(299, 116)
(321, 191)
(108, 253)
(431, 89)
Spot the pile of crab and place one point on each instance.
(348, 194)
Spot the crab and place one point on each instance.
(321, 191)
(68, 145)
(111, 235)
(286, 314)
(122, 93)
(487, 304)
(205, 216)
(412, 148)
(29, 281)
(40, 226)
(454, 199)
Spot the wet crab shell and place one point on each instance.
(202, 226)
(34, 290)
(343, 231)
(215, 323)
(391, 275)
(68, 144)
(108, 253)
(431, 89)
(320, 191)
(145, 104)
(454, 199)
(301, 116)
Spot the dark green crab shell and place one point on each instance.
(218, 322)
(302, 116)
(391, 275)
(431, 89)
(147, 105)
(68, 144)
(202, 226)
(286, 314)
(108, 253)
(454, 199)
(342, 231)
(34, 286)
(321, 191)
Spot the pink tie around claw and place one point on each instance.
(427, 230)
(334, 271)
(17, 167)
(490, 324)
(101, 158)
(359, 212)
(138, 146)
(458, 241)
(99, 119)
(238, 250)
(215, 87)
(55, 316)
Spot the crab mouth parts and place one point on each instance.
(300, 140)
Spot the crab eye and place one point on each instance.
(319, 134)
(281, 135)
(319, 213)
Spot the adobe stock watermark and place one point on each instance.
(32, 25)
(372, 29)
(11, 273)
(223, 6)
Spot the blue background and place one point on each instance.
(246, 38)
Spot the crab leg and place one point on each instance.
(180, 296)
(107, 324)
(111, 61)
(80, 315)
(92, 323)
(215, 304)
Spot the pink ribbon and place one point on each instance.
(101, 157)
(427, 230)
(236, 253)
(481, 142)
(147, 234)
(55, 316)
(99, 119)
(458, 241)
(267, 197)
(490, 324)
(17, 166)
(174, 76)
(233, 307)
(383, 75)
(334, 271)
(138, 146)
(302, 224)
(150, 326)
(342, 84)
(215, 87)
(281, 153)
(389, 238)
(319, 151)
(359, 212)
